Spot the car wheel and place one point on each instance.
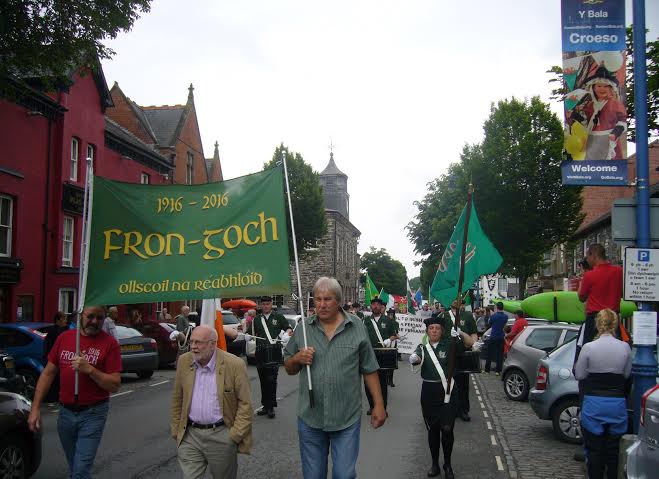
(516, 385)
(14, 457)
(144, 374)
(565, 420)
(31, 377)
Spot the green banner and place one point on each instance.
(176, 242)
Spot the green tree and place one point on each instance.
(49, 38)
(306, 199)
(415, 283)
(385, 271)
(652, 56)
(521, 203)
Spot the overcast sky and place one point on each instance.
(398, 86)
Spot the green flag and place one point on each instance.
(481, 257)
(370, 290)
(179, 242)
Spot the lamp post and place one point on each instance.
(644, 366)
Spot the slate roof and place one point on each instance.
(164, 122)
(332, 169)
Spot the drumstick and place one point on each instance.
(266, 339)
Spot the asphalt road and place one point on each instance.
(136, 441)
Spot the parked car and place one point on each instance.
(139, 354)
(555, 396)
(528, 347)
(290, 314)
(20, 449)
(25, 343)
(9, 380)
(485, 338)
(643, 454)
(167, 349)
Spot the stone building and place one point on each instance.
(336, 256)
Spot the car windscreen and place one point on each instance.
(229, 318)
(123, 332)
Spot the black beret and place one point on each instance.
(377, 299)
(266, 298)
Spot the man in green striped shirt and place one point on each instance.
(339, 354)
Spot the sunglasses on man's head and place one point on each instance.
(99, 317)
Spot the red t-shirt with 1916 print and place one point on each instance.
(101, 351)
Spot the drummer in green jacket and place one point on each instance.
(267, 369)
(469, 334)
(380, 333)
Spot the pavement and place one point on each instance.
(503, 439)
(530, 448)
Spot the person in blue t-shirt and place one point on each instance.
(495, 345)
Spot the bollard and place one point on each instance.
(625, 441)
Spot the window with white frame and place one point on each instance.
(73, 175)
(67, 241)
(6, 220)
(67, 300)
(145, 179)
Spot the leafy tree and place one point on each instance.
(385, 271)
(520, 201)
(49, 37)
(306, 199)
(652, 57)
(415, 283)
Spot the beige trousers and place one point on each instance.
(208, 448)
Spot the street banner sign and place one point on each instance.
(177, 242)
(594, 60)
(641, 274)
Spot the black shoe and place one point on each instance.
(579, 456)
(434, 471)
(368, 413)
(271, 413)
(262, 412)
(392, 385)
(465, 416)
(448, 472)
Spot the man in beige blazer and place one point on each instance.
(211, 415)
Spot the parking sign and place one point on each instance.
(641, 274)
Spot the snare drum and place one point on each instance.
(387, 357)
(468, 362)
(268, 354)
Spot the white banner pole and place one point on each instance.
(297, 272)
(84, 260)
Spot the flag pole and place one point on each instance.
(84, 262)
(297, 272)
(465, 236)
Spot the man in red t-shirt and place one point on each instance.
(601, 288)
(81, 422)
(518, 326)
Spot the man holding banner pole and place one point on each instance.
(339, 351)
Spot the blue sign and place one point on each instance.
(593, 25)
(643, 255)
(595, 173)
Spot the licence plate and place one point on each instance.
(132, 347)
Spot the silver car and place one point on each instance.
(528, 347)
(643, 454)
(555, 396)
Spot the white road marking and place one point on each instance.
(499, 463)
(485, 413)
(158, 384)
(489, 425)
(479, 397)
(482, 406)
(121, 393)
(493, 440)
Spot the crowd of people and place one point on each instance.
(211, 413)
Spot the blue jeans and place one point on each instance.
(80, 434)
(314, 448)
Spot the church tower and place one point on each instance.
(335, 188)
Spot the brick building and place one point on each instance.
(45, 139)
(336, 256)
(561, 267)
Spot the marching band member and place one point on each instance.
(439, 409)
(266, 328)
(381, 334)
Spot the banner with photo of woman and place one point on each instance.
(594, 60)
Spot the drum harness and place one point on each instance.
(185, 344)
(377, 331)
(267, 333)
